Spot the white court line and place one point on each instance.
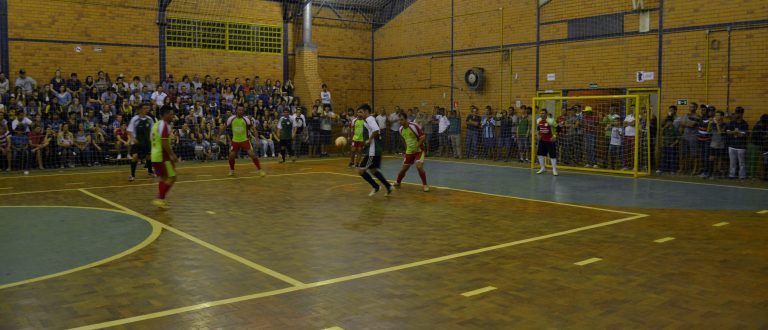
(204, 175)
(478, 291)
(602, 174)
(4, 188)
(587, 262)
(210, 212)
(762, 212)
(334, 328)
(665, 239)
(720, 224)
(74, 183)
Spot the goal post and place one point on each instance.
(601, 133)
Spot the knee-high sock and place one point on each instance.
(541, 161)
(256, 162)
(232, 163)
(554, 163)
(367, 177)
(161, 189)
(381, 178)
(133, 168)
(423, 176)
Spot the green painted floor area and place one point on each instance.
(39, 241)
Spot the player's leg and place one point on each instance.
(422, 172)
(408, 160)
(553, 157)
(283, 148)
(134, 161)
(256, 162)
(374, 169)
(234, 149)
(362, 170)
(541, 151)
(289, 149)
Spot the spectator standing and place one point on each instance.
(737, 131)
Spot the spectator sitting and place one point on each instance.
(27, 84)
(5, 147)
(20, 147)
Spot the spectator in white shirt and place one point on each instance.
(159, 96)
(325, 97)
(629, 142)
(442, 132)
(21, 120)
(381, 120)
(394, 131)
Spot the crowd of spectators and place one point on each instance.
(70, 123)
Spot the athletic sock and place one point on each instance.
(133, 168)
(232, 164)
(256, 162)
(423, 176)
(381, 178)
(367, 177)
(541, 162)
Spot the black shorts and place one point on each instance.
(370, 162)
(140, 149)
(547, 148)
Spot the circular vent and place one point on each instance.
(474, 78)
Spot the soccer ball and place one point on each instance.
(341, 141)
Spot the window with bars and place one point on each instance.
(215, 35)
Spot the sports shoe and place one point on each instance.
(426, 188)
(119, 156)
(373, 191)
(541, 171)
(554, 172)
(262, 173)
(231, 173)
(389, 191)
(131, 178)
(595, 166)
(160, 203)
(588, 165)
(281, 161)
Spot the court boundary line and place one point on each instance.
(84, 171)
(375, 272)
(621, 176)
(214, 248)
(153, 183)
(156, 230)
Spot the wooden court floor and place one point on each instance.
(306, 248)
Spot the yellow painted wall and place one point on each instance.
(420, 37)
(43, 36)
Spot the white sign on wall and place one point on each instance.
(644, 76)
(550, 77)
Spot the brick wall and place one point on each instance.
(420, 36)
(43, 36)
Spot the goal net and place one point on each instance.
(607, 133)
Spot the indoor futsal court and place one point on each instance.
(383, 164)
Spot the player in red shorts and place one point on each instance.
(241, 130)
(415, 152)
(163, 157)
(547, 129)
